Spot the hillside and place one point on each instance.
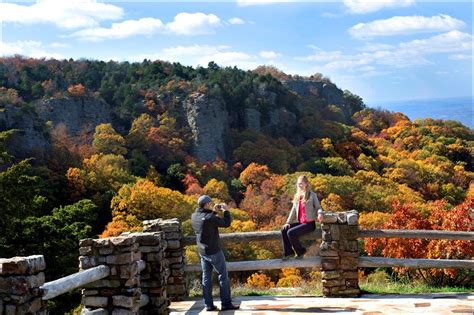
(93, 148)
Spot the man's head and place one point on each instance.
(204, 201)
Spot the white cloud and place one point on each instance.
(402, 25)
(405, 54)
(56, 45)
(193, 23)
(144, 26)
(64, 14)
(460, 57)
(201, 55)
(454, 41)
(236, 20)
(268, 54)
(33, 49)
(183, 24)
(322, 56)
(375, 47)
(368, 6)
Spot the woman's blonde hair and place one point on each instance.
(299, 192)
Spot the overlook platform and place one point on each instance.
(373, 304)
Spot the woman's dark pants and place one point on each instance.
(291, 234)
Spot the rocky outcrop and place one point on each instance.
(208, 120)
(252, 119)
(79, 115)
(307, 88)
(31, 138)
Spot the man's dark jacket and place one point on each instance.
(205, 225)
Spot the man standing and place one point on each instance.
(205, 224)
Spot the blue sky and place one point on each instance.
(381, 50)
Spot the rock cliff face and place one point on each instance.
(328, 91)
(79, 115)
(31, 140)
(208, 120)
(207, 117)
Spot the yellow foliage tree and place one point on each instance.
(260, 281)
(373, 220)
(100, 173)
(333, 202)
(144, 201)
(107, 140)
(290, 277)
(217, 189)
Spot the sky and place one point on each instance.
(380, 50)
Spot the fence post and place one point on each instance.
(20, 282)
(120, 292)
(339, 254)
(174, 254)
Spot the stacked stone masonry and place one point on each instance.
(120, 292)
(339, 254)
(20, 282)
(174, 254)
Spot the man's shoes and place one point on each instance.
(211, 308)
(230, 307)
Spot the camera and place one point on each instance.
(218, 207)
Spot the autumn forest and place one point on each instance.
(141, 163)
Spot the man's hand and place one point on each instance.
(220, 207)
(320, 217)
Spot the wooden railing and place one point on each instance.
(80, 279)
(362, 261)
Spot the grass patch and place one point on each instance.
(407, 288)
(242, 290)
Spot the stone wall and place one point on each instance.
(20, 282)
(174, 254)
(339, 253)
(154, 278)
(120, 292)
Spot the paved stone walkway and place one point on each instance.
(365, 305)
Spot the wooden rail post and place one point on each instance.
(20, 282)
(339, 254)
(119, 293)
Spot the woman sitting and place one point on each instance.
(305, 210)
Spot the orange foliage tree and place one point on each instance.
(440, 217)
(455, 219)
(77, 90)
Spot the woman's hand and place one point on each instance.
(320, 217)
(285, 226)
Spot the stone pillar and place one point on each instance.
(120, 292)
(339, 253)
(153, 279)
(20, 282)
(174, 254)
